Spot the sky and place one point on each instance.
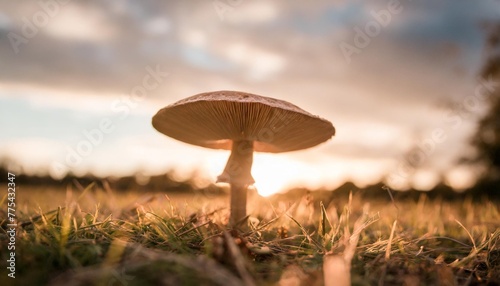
(80, 81)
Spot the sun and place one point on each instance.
(274, 174)
(269, 186)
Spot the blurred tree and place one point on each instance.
(486, 140)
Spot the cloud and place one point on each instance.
(385, 100)
(157, 26)
(57, 58)
(5, 22)
(81, 23)
(252, 12)
(257, 64)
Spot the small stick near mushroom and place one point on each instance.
(243, 123)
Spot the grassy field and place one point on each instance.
(91, 236)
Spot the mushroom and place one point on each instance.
(243, 123)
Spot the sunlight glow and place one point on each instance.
(273, 175)
(425, 180)
(461, 178)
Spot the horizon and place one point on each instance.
(197, 183)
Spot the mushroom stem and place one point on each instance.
(238, 174)
(238, 204)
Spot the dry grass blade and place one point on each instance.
(476, 250)
(263, 226)
(468, 233)
(84, 191)
(337, 268)
(306, 234)
(389, 243)
(193, 228)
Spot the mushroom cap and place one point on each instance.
(215, 119)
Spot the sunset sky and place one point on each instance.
(397, 79)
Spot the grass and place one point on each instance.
(92, 236)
